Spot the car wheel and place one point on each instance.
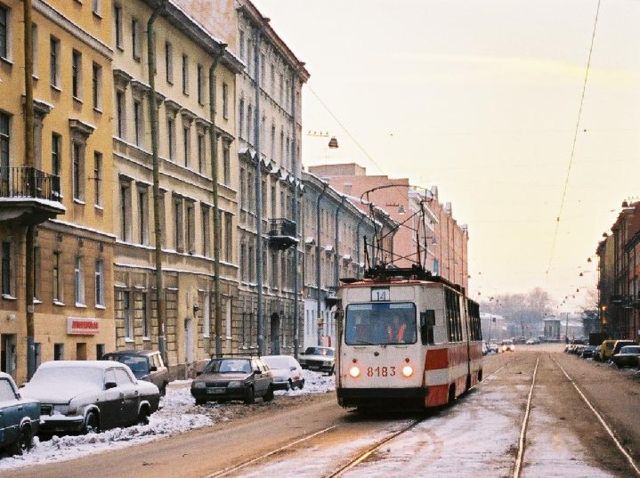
(163, 390)
(24, 441)
(143, 416)
(91, 423)
(301, 384)
(200, 401)
(250, 396)
(290, 385)
(269, 395)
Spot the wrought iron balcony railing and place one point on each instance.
(28, 182)
(282, 233)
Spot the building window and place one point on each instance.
(127, 316)
(185, 74)
(97, 177)
(125, 210)
(201, 152)
(4, 152)
(95, 6)
(226, 162)
(120, 111)
(144, 315)
(243, 262)
(57, 277)
(241, 117)
(143, 216)
(77, 151)
(117, 22)
(6, 269)
(228, 235)
(249, 123)
(100, 348)
(206, 315)
(97, 86)
(76, 74)
(191, 227)
(242, 51)
(137, 121)
(206, 231)
(34, 49)
(186, 144)
(58, 351)
(136, 39)
(243, 190)
(168, 62)
(171, 137)
(273, 142)
(79, 282)
(225, 101)
(177, 224)
(100, 283)
(54, 62)
(4, 32)
(200, 84)
(273, 80)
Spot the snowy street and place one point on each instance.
(306, 433)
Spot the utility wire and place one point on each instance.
(573, 146)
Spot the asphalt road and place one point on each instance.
(564, 437)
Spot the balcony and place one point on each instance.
(28, 196)
(282, 233)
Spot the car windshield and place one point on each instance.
(57, 377)
(278, 362)
(318, 351)
(380, 324)
(229, 366)
(138, 365)
(630, 349)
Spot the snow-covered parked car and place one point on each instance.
(19, 417)
(287, 372)
(80, 396)
(321, 359)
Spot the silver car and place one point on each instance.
(287, 372)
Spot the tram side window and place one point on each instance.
(454, 321)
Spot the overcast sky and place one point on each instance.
(481, 97)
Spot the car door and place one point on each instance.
(9, 418)
(265, 376)
(130, 397)
(111, 403)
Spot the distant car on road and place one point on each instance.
(508, 346)
(19, 417)
(627, 357)
(145, 365)
(287, 372)
(588, 351)
(321, 359)
(533, 342)
(233, 378)
(81, 396)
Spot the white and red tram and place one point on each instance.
(410, 339)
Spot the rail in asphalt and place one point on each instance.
(601, 419)
(522, 441)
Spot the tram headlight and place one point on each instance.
(407, 370)
(354, 372)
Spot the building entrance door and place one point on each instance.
(275, 334)
(8, 354)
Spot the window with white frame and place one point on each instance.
(138, 121)
(76, 74)
(96, 84)
(168, 62)
(79, 281)
(7, 269)
(136, 39)
(57, 277)
(200, 86)
(77, 153)
(54, 62)
(117, 24)
(97, 178)
(171, 137)
(5, 32)
(96, 6)
(185, 74)
(143, 215)
(225, 101)
(125, 210)
(206, 315)
(99, 283)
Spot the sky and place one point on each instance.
(481, 98)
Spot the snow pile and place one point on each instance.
(314, 382)
(172, 419)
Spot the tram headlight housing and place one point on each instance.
(354, 371)
(407, 370)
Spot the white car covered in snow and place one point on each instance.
(83, 396)
(287, 372)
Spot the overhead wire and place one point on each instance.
(573, 146)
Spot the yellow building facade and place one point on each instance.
(67, 191)
(184, 53)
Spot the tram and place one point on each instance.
(406, 338)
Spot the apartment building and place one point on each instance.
(443, 245)
(64, 190)
(334, 250)
(184, 52)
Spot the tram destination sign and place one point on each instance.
(379, 294)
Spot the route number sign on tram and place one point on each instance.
(380, 294)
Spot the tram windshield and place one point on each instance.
(381, 323)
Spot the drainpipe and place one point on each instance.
(336, 268)
(29, 163)
(296, 219)
(362, 218)
(258, 189)
(318, 281)
(213, 136)
(153, 113)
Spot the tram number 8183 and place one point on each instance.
(381, 371)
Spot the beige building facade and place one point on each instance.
(65, 192)
(184, 52)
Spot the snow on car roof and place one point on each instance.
(102, 364)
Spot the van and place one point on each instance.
(606, 350)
